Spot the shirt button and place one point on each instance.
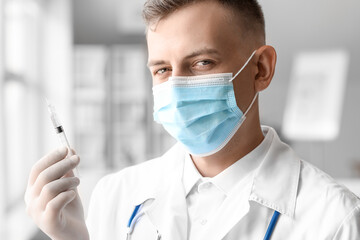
(203, 222)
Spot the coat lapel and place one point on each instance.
(231, 211)
(276, 183)
(168, 213)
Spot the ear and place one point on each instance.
(265, 58)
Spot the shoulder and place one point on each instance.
(326, 198)
(132, 176)
(324, 187)
(143, 177)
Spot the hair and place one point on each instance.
(252, 17)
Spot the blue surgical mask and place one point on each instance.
(200, 111)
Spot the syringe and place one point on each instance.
(59, 130)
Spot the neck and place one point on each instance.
(246, 139)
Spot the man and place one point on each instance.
(228, 177)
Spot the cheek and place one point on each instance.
(156, 82)
(244, 91)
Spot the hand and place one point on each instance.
(52, 199)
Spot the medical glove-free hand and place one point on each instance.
(52, 199)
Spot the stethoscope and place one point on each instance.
(132, 221)
(134, 217)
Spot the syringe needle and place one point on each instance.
(59, 129)
(47, 101)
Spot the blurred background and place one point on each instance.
(89, 58)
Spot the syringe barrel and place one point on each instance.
(63, 139)
(55, 120)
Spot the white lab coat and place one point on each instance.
(311, 204)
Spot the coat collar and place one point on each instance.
(276, 181)
(273, 185)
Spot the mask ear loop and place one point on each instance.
(257, 93)
(252, 102)
(246, 63)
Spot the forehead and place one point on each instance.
(206, 24)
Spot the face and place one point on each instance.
(198, 39)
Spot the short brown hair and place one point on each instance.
(250, 10)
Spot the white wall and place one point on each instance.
(42, 58)
(57, 72)
(2, 146)
(294, 26)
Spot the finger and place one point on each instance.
(69, 174)
(54, 188)
(45, 162)
(57, 204)
(56, 171)
(71, 152)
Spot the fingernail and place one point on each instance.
(77, 181)
(62, 150)
(75, 158)
(72, 193)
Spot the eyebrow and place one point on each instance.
(196, 53)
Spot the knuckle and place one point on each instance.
(50, 211)
(43, 176)
(47, 190)
(34, 168)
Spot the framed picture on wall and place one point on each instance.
(316, 94)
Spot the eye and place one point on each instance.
(203, 63)
(161, 71)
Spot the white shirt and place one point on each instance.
(205, 195)
(311, 204)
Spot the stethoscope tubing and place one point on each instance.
(267, 236)
(271, 226)
(133, 215)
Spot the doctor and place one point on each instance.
(228, 177)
